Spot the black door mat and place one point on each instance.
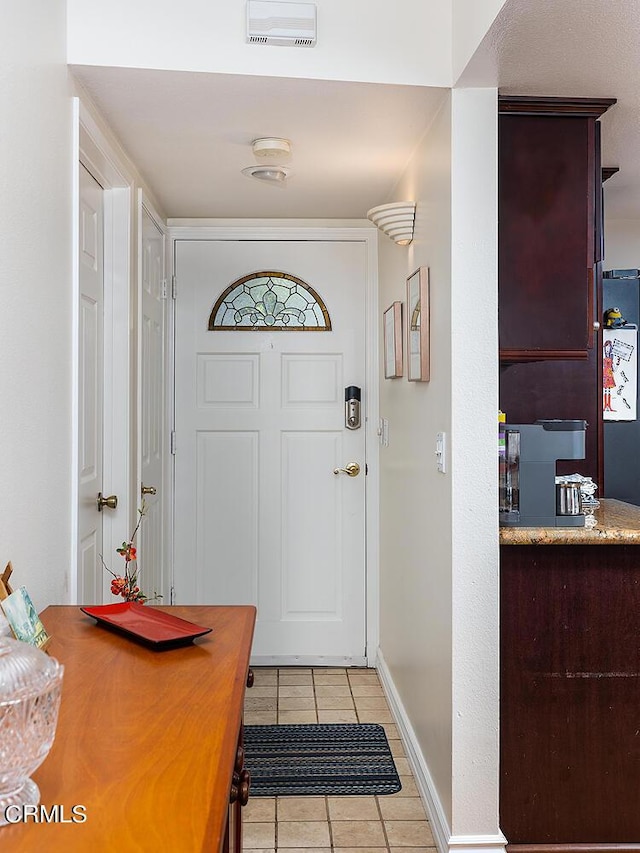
(323, 759)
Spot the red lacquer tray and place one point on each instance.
(153, 627)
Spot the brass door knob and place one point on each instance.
(111, 502)
(147, 490)
(351, 468)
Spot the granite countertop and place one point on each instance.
(618, 524)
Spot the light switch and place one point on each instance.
(441, 451)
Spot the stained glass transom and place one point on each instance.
(270, 301)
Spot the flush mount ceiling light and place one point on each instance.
(396, 220)
(268, 174)
(271, 146)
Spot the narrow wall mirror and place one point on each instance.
(418, 361)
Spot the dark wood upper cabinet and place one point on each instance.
(549, 285)
(549, 226)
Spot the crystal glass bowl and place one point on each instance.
(30, 683)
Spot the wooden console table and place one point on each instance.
(147, 741)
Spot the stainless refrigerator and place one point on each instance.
(621, 289)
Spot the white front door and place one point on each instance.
(151, 560)
(90, 389)
(261, 517)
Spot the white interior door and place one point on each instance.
(90, 388)
(152, 362)
(261, 517)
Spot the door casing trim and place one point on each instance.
(145, 205)
(367, 236)
(94, 151)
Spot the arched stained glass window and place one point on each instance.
(274, 301)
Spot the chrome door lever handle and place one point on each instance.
(351, 468)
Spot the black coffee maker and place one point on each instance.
(527, 457)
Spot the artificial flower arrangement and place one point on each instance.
(126, 584)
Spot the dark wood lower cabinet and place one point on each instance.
(570, 698)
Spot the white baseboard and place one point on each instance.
(477, 843)
(426, 787)
(445, 842)
(306, 660)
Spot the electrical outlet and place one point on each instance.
(441, 451)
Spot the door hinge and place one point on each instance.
(163, 289)
(173, 442)
(174, 287)
(366, 469)
(172, 595)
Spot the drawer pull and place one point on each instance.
(245, 786)
(235, 788)
(240, 788)
(239, 759)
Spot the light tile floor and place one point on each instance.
(395, 823)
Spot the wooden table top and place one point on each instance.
(146, 740)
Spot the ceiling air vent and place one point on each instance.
(292, 24)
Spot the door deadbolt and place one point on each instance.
(352, 407)
(351, 468)
(111, 502)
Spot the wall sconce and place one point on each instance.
(396, 220)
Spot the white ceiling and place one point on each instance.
(190, 134)
(574, 48)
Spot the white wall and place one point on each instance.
(621, 243)
(439, 533)
(36, 173)
(363, 40)
(471, 20)
(35, 289)
(415, 508)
